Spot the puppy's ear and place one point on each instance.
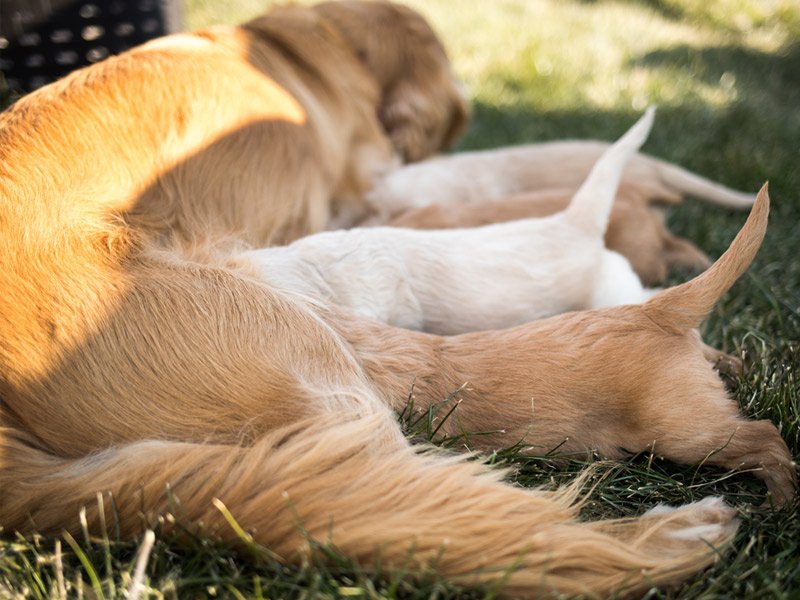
(421, 118)
(421, 108)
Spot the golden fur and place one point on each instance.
(422, 111)
(133, 362)
(635, 229)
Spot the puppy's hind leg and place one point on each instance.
(682, 254)
(699, 424)
(758, 446)
(728, 366)
(755, 446)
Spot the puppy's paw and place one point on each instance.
(728, 366)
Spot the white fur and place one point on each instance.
(710, 518)
(449, 282)
(459, 280)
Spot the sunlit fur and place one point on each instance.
(420, 107)
(134, 362)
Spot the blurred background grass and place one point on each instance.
(726, 77)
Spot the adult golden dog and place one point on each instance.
(133, 362)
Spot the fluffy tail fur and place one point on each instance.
(350, 479)
(591, 204)
(694, 299)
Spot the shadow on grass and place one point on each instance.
(722, 19)
(756, 73)
(753, 138)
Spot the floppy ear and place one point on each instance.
(422, 117)
(421, 108)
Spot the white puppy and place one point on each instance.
(459, 280)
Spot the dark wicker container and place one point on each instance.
(43, 40)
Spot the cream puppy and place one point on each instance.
(478, 176)
(492, 277)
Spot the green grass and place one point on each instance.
(726, 77)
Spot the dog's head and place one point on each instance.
(422, 108)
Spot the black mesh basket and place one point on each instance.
(43, 40)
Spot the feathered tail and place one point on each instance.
(353, 481)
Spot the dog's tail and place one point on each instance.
(694, 299)
(353, 481)
(678, 182)
(591, 205)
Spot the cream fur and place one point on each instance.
(462, 280)
(478, 176)
(134, 362)
(477, 188)
(636, 226)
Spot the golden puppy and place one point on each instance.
(635, 230)
(580, 380)
(133, 362)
